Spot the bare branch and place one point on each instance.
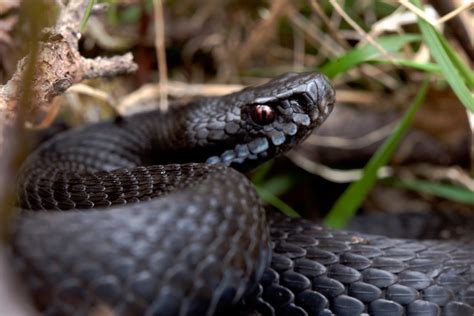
(59, 66)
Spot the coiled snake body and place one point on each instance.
(198, 243)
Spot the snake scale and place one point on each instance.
(199, 242)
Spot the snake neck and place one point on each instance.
(162, 134)
(186, 133)
(189, 133)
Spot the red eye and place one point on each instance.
(262, 114)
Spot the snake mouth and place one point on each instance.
(242, 152)
(246, 155)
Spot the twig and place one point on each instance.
(319, 39)
(451, 174)
(107, 67)
(359, 30)
(298, 49)
(410, 6)
(314, 5)
(104, 39)
(470, 117)
(161, 52)
(50, 116)
(352, 143)
(262, 31)
(92, 92)
(59, 65)
(455, 12)
(333, 175)
(413, 8)
(150, 92)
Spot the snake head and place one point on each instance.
(268, 120)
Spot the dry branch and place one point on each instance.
(59, 65)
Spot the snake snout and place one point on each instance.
(316, 95)
(326, 99)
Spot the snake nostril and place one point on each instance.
(304, 102)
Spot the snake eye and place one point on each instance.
(263, 114)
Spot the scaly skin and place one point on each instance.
(198, 242)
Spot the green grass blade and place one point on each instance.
(354, 57)
(426, 67)
(273, 200)
(87, 14)
(112, 13)
(346, 206)
(464, 70)
(448, 69)
(268, 190)
(447, 191)
(258, 177)
(279, 184)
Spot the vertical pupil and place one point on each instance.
(262, 114)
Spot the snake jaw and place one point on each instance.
(242, 152)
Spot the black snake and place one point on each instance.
(198, 242)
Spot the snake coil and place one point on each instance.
(198, 241)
